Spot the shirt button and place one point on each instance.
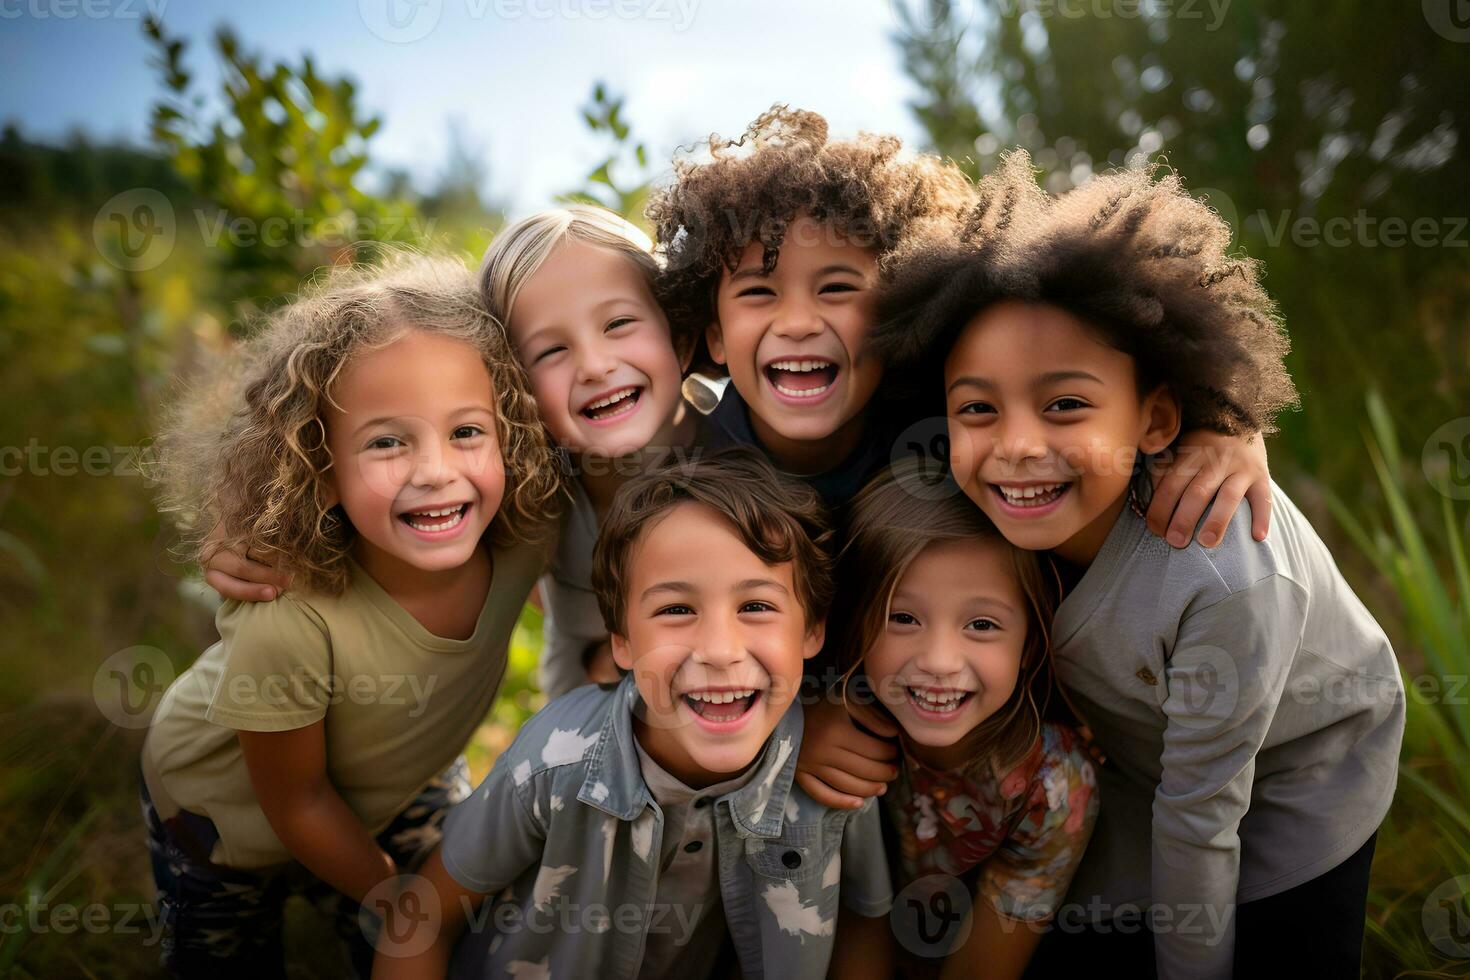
(702, 802)
(1147, 676)
(693, 846)
(792, 859)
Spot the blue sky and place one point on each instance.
(510, 73)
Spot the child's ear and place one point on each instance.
(714, 339)
(1162, 420)
(622, 652)
(815, 637)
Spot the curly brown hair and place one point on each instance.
(780, 519)
(243, 460)
(896, 516)
(751, 189)
(1129, 252)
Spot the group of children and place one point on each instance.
(1051, 687)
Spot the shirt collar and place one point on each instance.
(614, 782)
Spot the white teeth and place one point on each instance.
(939, 700)
(801, 392)
(720, 697)
(612, 399)
(800, 366)
(1032, 496)
(415, 519)
(445, 512)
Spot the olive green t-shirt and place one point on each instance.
(399, 702)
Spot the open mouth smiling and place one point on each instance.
(722, 708)
(1034, 497)
(435, 519)
(613, 405)
(936, 702)
(802, 377)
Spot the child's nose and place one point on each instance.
(718, 642)
(595, 364)
(1017, 440)
(795, 319)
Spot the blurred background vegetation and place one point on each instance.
(124, 267)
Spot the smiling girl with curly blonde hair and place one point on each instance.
(376, 441)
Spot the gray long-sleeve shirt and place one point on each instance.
(1252, 712)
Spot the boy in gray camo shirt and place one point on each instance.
(637, 830)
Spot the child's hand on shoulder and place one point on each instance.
(1210, 466)
(237, 576)
(840, 765)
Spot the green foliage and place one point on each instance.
(279, 163)
(605, 184)
(1428, 573)
(1286, 116)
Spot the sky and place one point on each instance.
(511, 75)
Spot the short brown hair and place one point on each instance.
(778, 518)
(896, 516)
(1131, 253)
(751, 189)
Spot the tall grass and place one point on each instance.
(1423, 844)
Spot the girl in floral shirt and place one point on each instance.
(994, 803)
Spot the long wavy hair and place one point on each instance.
(242, 457)
(890, 522)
